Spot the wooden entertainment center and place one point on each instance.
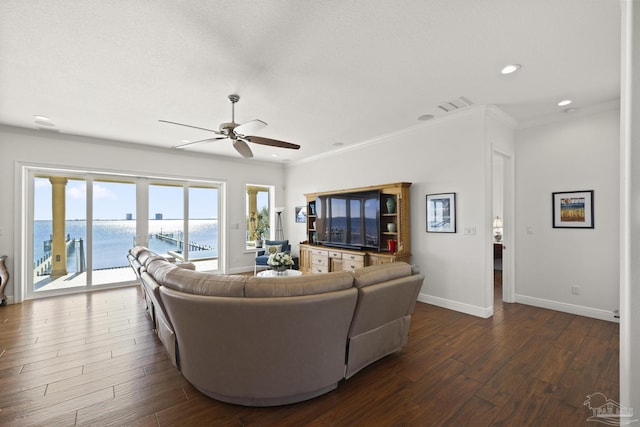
(393, 209)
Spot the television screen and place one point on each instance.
(349, 220)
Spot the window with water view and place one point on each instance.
(72, 251)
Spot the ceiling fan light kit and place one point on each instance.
(237, 133)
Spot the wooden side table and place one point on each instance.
(4, 278)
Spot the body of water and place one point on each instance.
(112, 239)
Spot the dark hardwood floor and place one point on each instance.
(92, 359)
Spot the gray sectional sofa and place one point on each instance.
(272, 341)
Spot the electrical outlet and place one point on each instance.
(575, 290)
(470, 231)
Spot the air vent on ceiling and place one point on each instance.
(455, 104)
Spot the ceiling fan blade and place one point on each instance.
(189, 126)
(242, 148)
(271, 142)
(250, 127)
(186, 144)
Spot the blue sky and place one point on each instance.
(114, 200)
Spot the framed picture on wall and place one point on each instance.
(573, 209)
(301, 214)
(441, 213)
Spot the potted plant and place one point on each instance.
(260, 224)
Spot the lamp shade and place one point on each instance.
(497, 223)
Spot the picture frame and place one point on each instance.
(441, 213)
(301, 214)
(573, 209)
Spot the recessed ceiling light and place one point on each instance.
(511, 68)
(39, 117)
(564, 102)
(570, 110)
(44, 123)
(274, 155)
(185, 140)
(338, 144)
(425, 117)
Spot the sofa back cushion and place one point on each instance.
(137, 250)
(201, 283)
(370, 275)
(308, 284)
(158, 268)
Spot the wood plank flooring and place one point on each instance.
(92, 359)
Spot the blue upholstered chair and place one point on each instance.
(262, 257)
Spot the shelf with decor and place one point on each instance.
(311, 221)
(386, 241)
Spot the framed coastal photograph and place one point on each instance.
(441, 213)
(301, 214)
(573, 209)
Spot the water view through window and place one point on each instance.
(114, 229)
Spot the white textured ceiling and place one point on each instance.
(318, 72)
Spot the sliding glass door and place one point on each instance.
(83, 224)
(193, 239)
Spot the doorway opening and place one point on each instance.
(502, 235)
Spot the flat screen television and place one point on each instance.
(349, 220)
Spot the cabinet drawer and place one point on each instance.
(348, 265)
(333, 254)
(320, 261)
(353, 257)
(319, 268)
(319, 252)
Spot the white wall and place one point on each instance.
(438, 157)
(630, 212)
(577, 154)
(45, 148)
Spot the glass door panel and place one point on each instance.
(59, 233)
(203, 225)
(166, 220)
(114, 231)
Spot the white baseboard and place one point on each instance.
(473, 310)
(580, 310)
(483, 312)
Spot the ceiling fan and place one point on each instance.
(237, 133)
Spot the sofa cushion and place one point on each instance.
(308, 284)
(373, 274)
(137, 250)
(186, 265)
(201, 283)
(158, 268)
(144, 255)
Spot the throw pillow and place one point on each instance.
(272, 249)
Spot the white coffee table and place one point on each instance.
(273, 273)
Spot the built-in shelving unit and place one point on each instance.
(394, 233)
